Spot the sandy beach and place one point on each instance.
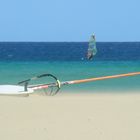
(70, 117)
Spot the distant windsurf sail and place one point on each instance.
(92, 50)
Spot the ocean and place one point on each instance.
(67, 61)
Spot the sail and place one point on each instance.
(92, 50)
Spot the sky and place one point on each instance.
(69, 20)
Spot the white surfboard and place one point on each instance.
(14, 90)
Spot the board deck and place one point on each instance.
(14, 90)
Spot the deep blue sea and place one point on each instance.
(67, 61)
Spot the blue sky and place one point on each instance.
(69, 20)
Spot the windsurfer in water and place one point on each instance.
(91, 48)
(89, 56)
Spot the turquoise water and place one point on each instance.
(13, 72)
(67, 61)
